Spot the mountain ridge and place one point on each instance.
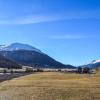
(18, 46)
(93, 64)
(23, 55)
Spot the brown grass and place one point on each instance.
(52, 86)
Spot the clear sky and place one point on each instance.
(67, 30)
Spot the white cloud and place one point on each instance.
(62, 37)
(37, 19)
(32, 19)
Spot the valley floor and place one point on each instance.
(52, 86)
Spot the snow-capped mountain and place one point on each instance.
(18, 46)
(95, 61)
(27, 55)
(2, 46)
(93, 64)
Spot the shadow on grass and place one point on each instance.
(9, 76)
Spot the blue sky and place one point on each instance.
(67, 30)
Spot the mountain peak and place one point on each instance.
(95, 61)
(18, 46)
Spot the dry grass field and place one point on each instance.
(52, 86)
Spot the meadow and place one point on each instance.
(52, 86)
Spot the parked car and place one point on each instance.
(92, 71)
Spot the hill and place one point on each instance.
(27, 55)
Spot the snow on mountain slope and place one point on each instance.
(18, 46)
(2, 46)
(95, 61)
(93, 64)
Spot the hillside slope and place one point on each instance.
(6, 63)
(28, 55)
(32, 58)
